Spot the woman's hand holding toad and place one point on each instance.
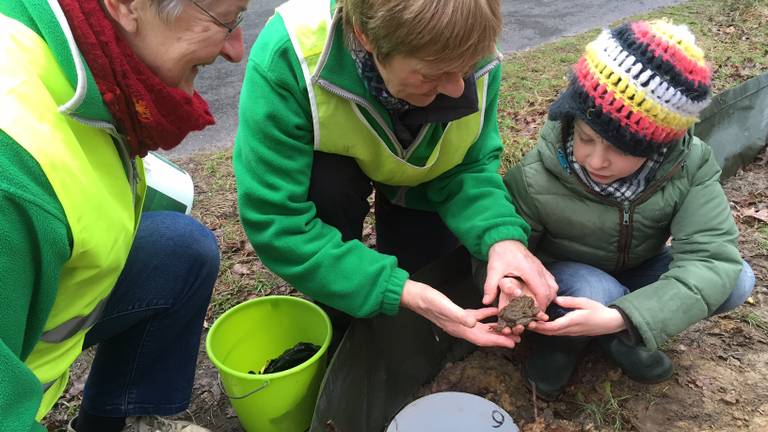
(511, 267)
(462, 323)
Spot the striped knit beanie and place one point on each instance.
(640, 86)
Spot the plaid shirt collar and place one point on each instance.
(624, 189)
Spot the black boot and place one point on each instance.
(551, 363)
(641, 365)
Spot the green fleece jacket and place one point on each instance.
(685, 201)
(273, 161)
(34, 236)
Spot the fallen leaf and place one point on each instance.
(761, 215)
(241, 269)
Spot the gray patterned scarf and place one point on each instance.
(624, 189)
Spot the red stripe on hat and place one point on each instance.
(638, 123)
(672, 54)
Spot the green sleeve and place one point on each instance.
(273, 163)
(471, 198)
(34, 244)
(705, 266)
(516, 182)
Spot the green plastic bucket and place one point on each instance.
(246, 337)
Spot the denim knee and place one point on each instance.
(582, 280)
(743, 289)
(183, 241)
(200, 244)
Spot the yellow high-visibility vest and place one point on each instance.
(341, 128)
(89, 178)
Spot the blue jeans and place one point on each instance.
(149, 334)
(582, 280)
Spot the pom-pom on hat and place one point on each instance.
(640, 86)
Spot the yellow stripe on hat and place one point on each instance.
(632, 96)
(680, 36)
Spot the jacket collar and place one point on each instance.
(337, 66)
(46, 18)
(550, 153)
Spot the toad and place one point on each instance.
(520, 310)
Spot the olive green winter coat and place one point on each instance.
(570, 222)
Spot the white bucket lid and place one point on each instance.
(166, 179)
(452, 412)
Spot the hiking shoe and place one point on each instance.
(159, 424)
(551, 363)
(639, 364)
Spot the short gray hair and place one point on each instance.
(168, 10)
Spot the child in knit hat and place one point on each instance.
(615, 174)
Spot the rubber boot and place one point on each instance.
(551, 363)
(639, 364)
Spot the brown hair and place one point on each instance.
(448, 33)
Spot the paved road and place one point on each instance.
(527, 23)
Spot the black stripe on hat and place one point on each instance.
(577, 103)
(665, 70)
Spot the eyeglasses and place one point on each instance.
(230, 26)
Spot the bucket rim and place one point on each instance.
(264, 377)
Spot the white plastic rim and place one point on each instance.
(168, 179)
(452, 412)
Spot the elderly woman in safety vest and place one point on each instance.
(87, 88)
(342, 98)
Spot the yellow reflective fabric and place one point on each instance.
(87, 175)
(340, 127)
(307, 20)
(341, 134)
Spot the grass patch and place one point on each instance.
(732, 33)
(754, 320)
(762, 241)
(604, 412)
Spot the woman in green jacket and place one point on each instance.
(397, 97)
(616, 174)
(87, 88)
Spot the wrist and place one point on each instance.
(503, 246)
(616, 320)
(410, 298)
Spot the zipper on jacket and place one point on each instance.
(625, 222)
(625, 231)
(129, 165)
(626, 211)
(337, 91)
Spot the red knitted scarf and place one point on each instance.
(149, 113)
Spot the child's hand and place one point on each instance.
(588, 318)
